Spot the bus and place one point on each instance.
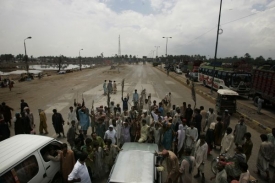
(226, 78)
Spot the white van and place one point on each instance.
(136, 164)
(22, 159)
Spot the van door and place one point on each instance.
(29, 170)
(51, 167)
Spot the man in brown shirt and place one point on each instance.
(172, 166)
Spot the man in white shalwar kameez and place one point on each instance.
(181, 139)
(111, 134)
(143, 131)
(118, 130)
(227, 141)
(201, 156)
(191, 136)
(211, 117)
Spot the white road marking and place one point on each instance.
(58, 106)
(67, 96)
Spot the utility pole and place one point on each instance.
(166, 44)
(79, 59)
(157, 50)
(119, 49)
(27, 65)
(216, 49)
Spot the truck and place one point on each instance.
(263, 83)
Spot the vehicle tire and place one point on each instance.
(204, 83)
(57, 178)
(214, 166)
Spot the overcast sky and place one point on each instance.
(66, 26)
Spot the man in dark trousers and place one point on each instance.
(197, 120)
(23, 104)
(188, 114)
(58, 123)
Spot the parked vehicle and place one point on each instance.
(178, 71)
(237, 79)
(142, 156)
(263, 84)
(193, 76)
(226, 99)
(62, 72)
(23, 159)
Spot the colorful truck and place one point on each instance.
(263, 83)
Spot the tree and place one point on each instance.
(19, 56)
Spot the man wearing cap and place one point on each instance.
(135, 98)
(111, 134)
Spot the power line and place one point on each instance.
(230, 22)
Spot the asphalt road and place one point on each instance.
(59, 91)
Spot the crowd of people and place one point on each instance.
(187, 136)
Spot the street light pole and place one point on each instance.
(79, 59)
(217, 40)
(166, 45)
(27, 65)
(157, 50)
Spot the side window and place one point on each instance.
(23, 172)
(7, 178)
(26, 170)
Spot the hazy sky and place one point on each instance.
(66, 26)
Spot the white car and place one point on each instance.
(62, 72)
(178, 71)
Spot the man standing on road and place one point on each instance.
(226, 120)
(105, 88)
(84, 119)
(203, 114)
(227, 141)
(135, 98)
(247, 146)
(191, 136)
(80, 172)
(188, 114)
(201, 156)
(23, 104)
(58, 123)
(72, 116)
(260, 104)
(265, 156)
(172, 166)
(67, 162)
(111, 134)
(197, 120)
(110, 87)
(43, 122)
(7, 113)
(211, 117)
(240, 130)
(186, 167)
(221, 176)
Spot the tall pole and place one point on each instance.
(79, 59)
(166, 45)
(217, 40)
(157, 50)
(27, 65)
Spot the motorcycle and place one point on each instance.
(225, 157)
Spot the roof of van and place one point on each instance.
(135, 163)
(227, 92)
(16, 148)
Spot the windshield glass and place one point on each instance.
(237, 78)
(228, 99)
